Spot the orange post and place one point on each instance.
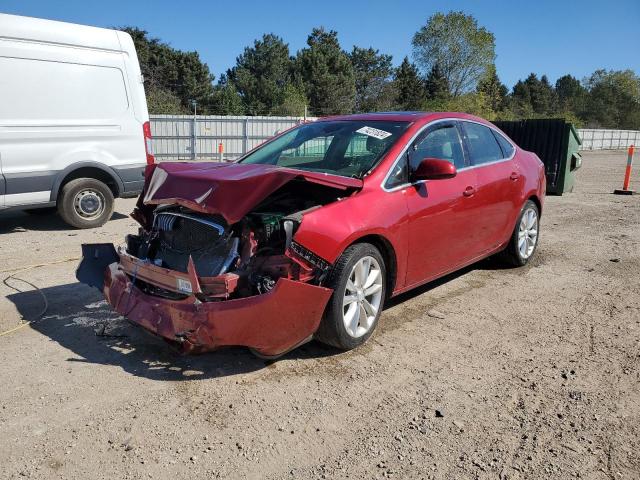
(627, 175)
(220, 151)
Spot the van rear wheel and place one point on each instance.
(85, 203)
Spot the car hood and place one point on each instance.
(227, 189)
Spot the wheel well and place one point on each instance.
(92, 172)
(536, 200)
(388, 255)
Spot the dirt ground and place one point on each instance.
(489, 373)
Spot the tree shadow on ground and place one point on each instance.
(79, 319)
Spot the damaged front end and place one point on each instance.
(215, 262)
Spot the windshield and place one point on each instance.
(349, 148)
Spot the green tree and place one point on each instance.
(165, 102)
(261, 73)
(493, 89)
(456, 43)
(326, 73)
(293, 102)
(169, 72)
(569, 91)
(226, 99)
(436, 84)
(409, 87)
(533, 96)
(613, 100)
(372, 71)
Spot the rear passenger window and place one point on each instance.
(505, 145)
(483, 146)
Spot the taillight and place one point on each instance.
(146, 130)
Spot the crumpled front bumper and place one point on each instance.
(272, 323)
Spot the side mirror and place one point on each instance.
(433, 169)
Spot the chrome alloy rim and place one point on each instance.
(528, 233)
(362, 297)
(89, 203)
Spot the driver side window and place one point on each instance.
(311, 151)
(443, 143)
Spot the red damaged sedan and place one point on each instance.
(307, 235)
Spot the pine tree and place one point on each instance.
(409, 87)
(261, 73)
(436, 84)
(371, 71)
(493, 89)
(326, 73)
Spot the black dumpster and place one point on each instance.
(555, 141)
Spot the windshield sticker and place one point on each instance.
(374, 132)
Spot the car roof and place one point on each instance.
(402, 116)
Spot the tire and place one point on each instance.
(85, 203)
(514, 254)
(333, 328)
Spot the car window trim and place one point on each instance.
(383, 184)
(465, 139)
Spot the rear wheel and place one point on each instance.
(358, 282)
(85, 203)
(524, 239)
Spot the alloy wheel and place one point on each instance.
(528, 233)
(362, 297)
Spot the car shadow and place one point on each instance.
(18, 221)
(79, 319)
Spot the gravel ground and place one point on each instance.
(489, 373)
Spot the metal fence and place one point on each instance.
(601, 139)
(184, 137)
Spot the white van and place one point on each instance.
(74, 126)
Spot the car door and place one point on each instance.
(441, 212)
(499, 181)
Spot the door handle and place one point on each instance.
(469, 191)
(514, 176)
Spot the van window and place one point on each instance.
(45, 90)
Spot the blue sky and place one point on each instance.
(542, 36)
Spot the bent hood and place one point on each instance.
(227, 189)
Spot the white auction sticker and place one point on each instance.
(184, 285)
(374, 132)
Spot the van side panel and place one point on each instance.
(65, 104)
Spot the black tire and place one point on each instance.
(332, 330)
(78, 211)
(512, 255)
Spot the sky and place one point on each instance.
(541, 36)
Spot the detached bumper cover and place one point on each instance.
(272, 323)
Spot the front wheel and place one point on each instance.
(358, 280)
(524, 239)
